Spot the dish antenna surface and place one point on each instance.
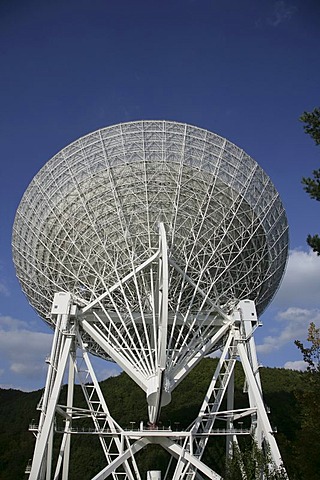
(151, 244)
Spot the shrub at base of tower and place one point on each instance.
(252, 463)
(309, 438)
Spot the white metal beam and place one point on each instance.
(113, 353)
(123, 457)
(42, 438)
(259, 404)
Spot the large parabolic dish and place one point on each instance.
(92, 214)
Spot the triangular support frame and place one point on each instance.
(158, 372)
(119, 445)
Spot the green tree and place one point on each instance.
(312, 184)
(309, 437)
(312, 124)
(308, 440)
(253, 463)
(311, 354)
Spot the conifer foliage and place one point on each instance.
(308, 400)
(127, 404)
(312, 184)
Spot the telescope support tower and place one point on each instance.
(155, 233)
(119, 445)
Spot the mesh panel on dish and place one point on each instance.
(91, 215)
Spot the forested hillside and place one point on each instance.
(282, 390)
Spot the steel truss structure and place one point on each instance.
(119, 445)
(162, 240)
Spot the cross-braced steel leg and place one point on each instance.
(239, 345)
(68, 345)
(61, 346)
(120, 446)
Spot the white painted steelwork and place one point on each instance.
(91, 215)
(155, 230)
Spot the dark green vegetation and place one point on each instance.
(284, 390)
(310, 405)
(254, 462)
(308, 452)
(311, 122)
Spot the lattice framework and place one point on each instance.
(92, 214)
(159, 234)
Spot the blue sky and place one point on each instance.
(245, 69)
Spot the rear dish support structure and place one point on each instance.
(156, 234)
(120, 446)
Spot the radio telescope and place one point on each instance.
(151, 244)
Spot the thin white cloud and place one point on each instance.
(29, 369)
(13, 386)
(23, 353)
(282, 12)
(293, 324)
(4, 289)
(22, 346)
(276, 13)
(297, 302)
(23, 350)
(9, 323)
(111, 370)
(301, 283)
(296, 365)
